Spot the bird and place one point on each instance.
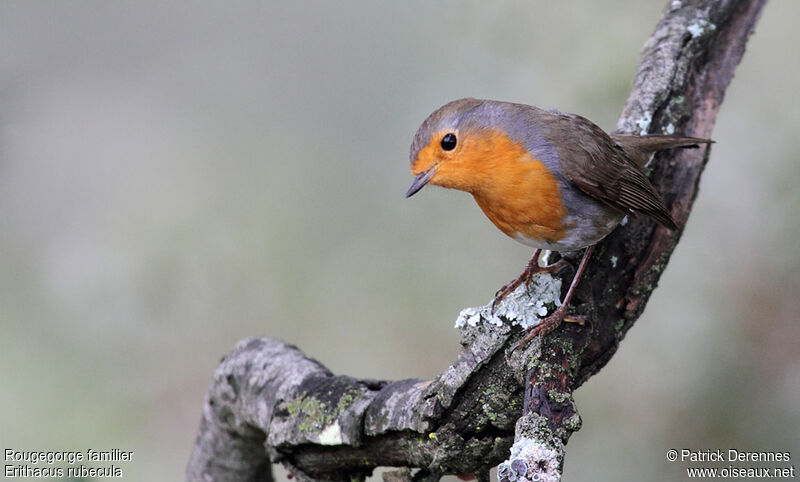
(549, 180)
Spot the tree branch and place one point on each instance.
(269, 403)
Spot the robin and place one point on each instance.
(547, 179)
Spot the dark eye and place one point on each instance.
(449, 142)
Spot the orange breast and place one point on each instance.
(517, 192)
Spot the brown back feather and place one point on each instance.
(602, 166)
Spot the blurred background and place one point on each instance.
(174, 178)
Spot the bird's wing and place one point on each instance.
(594, 163)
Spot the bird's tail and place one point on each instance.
(640, 148)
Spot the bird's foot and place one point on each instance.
(547, 325)
(531, 269)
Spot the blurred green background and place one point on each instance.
(174, 178)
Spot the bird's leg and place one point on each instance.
(550, 323)
(530, 269)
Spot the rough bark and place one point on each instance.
(270, 403)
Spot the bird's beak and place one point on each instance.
(420, 181)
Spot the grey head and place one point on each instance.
(447, 117)
(523, 123)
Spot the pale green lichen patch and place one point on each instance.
(573, 423)
(313, 412)
(559, 397)
(525, 306)
(347, 399)
(644, 123)
(699, 27)
(490, 414)
(316, 415)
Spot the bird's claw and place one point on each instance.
(547, 325)
(579, 319)
(503, 292)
